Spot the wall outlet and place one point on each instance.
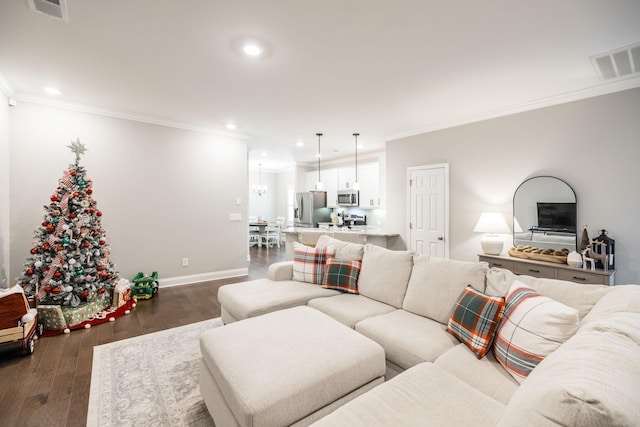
(185, 262)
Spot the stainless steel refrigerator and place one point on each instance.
(311, 208)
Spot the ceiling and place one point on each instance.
(386, 69)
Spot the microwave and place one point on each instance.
(348, 198)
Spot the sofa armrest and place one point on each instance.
(280, 271)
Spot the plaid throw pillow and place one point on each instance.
(308, 263)
(475, 320)
(341, 275)
(533, 326)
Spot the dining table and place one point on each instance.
(262, 225)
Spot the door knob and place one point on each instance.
(440, 238)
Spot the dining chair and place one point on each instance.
(254, 232)
(271, 234)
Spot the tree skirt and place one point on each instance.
(150, 380)
(57, 320)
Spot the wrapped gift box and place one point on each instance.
(57, 318)
(51, 317)
(86, 311)
(121, 293)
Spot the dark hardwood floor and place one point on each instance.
(51, 386)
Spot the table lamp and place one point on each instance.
(492, 223)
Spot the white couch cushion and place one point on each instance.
(349, 308)
(385, 274)
(436, 283)
(622, 298)
(407, 339)
(344, 250)
(421, 396)
(576, 295)
(485, 375)
(533, 326)
(250, 299)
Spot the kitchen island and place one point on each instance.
(358, 234)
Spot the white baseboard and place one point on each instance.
(203, 277)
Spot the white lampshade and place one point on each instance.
(492, 223)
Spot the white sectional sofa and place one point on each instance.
(588, 372)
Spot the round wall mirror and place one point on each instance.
(545, 214)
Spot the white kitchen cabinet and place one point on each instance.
(312, 178)
(346, 177)
(329, 179)
(369, 178)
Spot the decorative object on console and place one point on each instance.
(319, 185)
(539, 254)
(260, 189)
(604, 245)
(574, 259)
(492, 223)
(356, 184)
(584, 241)
(545, 214)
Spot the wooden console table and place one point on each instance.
(549, 270)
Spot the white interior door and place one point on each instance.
(428, 190)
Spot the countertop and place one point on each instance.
(358, 229)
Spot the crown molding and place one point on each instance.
(131, 116)
(577, 95)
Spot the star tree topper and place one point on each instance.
(78, 148)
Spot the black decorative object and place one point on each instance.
(603, 244)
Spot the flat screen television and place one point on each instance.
(557, 216)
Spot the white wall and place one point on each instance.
(591, 144)
(166, 193)
(5, 254)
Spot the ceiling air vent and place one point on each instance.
(53, 8)
(618, 63)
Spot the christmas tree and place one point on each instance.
(70, 262)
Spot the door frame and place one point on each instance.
(445, 167)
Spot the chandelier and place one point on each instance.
(260, 189)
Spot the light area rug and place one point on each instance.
(150, 380)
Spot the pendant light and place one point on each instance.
(319, 185)
(260, 189)
(356, 184)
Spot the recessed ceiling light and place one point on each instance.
(252, 49)
(299, 144)
(263, 154)
(231, 126)
(52, 91)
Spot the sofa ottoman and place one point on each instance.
(289, 367)
(240, 301)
